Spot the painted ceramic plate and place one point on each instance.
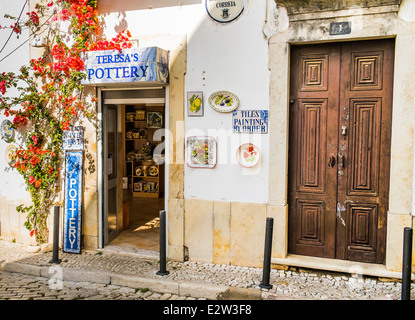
(7, 130)
(223, 101)
(201, 152)
(154, 119)
(154, 171)
(248, 155)
(9, 153)
(138, 171)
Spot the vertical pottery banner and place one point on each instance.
(73, 202)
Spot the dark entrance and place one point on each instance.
(340, 132)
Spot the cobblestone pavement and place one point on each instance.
(293, 283)
(16, 286)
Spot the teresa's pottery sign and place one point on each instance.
(224, 11)
(129, 65)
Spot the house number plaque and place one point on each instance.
(340, 28)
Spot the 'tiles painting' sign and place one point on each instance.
(129, 65)
(250, 121)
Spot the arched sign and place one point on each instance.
(224, 11)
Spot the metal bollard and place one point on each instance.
(162, 271)
(55, 255)
(407, 264)
(267, 255)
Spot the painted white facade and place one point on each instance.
(11, 182)
(224, 207)
(232, 57)
(219, 214)
(13, 55)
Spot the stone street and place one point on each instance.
(111, 276)
(16, 286)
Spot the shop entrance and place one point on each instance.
(133, 161)
(340, 131)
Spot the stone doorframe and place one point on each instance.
(175, 108)
(376, 22)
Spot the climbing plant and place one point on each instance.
(50, 96)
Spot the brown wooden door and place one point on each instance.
(340, 124)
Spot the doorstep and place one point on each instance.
(352, 267)
(130, 250)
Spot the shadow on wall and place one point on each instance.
(106, 7)
(131, 5)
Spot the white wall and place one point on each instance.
(12, 187)
(231, 57)
(11, 183)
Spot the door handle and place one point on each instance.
(342, 161)
(332, 161)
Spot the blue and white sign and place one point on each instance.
(73, 139)
(250, 121)
(129, 65)
(73, 202)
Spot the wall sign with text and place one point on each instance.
(224, 11)
(250, 121)
(73, 139)
(129, 65)
(73, 202)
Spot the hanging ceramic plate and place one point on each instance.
(248, 155)
(223, 101)
(201, 152)
(7, 130)
(9, 153)
(154, 119)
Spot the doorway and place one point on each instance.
(134, 179)
(339, 149)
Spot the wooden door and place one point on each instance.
(340, 117)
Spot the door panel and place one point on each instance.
(314, 73)
(365, 147)
(362, 232)
(313, 128)
(367, 99)
(313, 118)
(340, 116)
(312, 223)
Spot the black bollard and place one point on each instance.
(162, 271)
(407, 264)
(55, 255)
(267, 255)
